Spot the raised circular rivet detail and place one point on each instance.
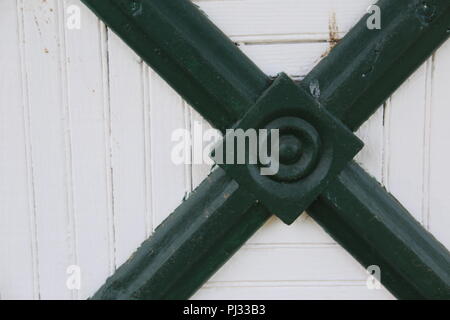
(299, 148)
(290, 149)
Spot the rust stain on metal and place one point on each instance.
(333, 34)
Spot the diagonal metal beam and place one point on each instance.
(414, 264)
(221, 83)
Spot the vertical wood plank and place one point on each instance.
(270, 18)
(89, 155)
(166, 115)
(372, 134)
(404, 149)
(438, 208)
(127, 147)
(295, 59)
(199, 170)
(49, 145)
(18, 263)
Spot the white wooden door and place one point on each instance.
(85, 144)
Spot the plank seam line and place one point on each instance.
(147, 150)
(429, 82)
(29, 152)
(298, 245)
(386, 143)
(284, 283)
(104, 52)
(67, 133)
(188, 176)
(152, 74)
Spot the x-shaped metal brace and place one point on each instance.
(220, 82)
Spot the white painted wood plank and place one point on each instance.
(438, 207)
(170, 181)
(303, 231)
(372, 134)
(18, 276)
(301, 290)
(270, 18)
(199, 170)
(127, 139)
(404, 148)
(50, 147)
(284, 263)
(291, 272)
(295, 59)
(87, 101)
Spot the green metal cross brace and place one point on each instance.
(220, 82)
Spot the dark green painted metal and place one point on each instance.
(392, 238)
(183, 254)
(361, 72)
(191, 244)
(328, 146)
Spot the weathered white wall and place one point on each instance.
(85, 170)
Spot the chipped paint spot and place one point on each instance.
(314, 88)
(426, 13)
